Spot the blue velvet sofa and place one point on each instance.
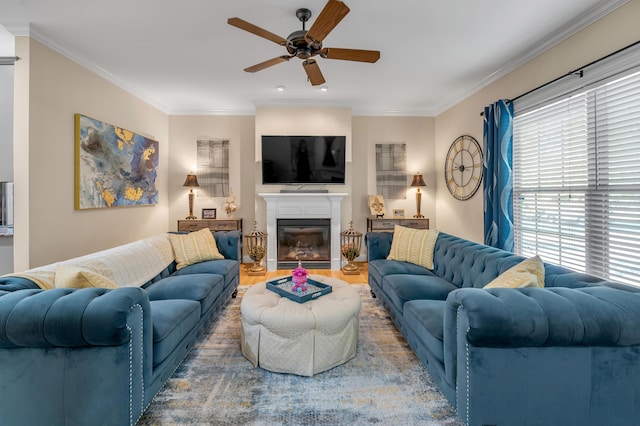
(566, 354)
(98, 356)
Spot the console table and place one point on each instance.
(213, 224)
(375, 224)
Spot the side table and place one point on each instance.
(213, 224)
(375, 224)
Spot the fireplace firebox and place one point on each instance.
(306, 240)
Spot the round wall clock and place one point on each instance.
(463, 167)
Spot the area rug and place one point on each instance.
(385, 384)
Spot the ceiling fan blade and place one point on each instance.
(267, 63)
(244, 25)
(329, 17)
(350, 54)
(313, 72)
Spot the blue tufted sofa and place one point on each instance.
(566, 354)
(98, 356)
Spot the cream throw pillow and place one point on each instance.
(194, 247)
(528, 273)
(70, 276)
(413, 245)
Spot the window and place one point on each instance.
(576, 164)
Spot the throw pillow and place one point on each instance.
(194, 247)
(528, 273)
(70, 276)
(413, 245)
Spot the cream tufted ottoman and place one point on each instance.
(283, 336)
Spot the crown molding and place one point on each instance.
(207, 111)
(596, 13)
(362, 112)
(355, 111)
(75, 57)
(301, 103)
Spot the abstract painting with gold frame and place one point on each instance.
(113, 166)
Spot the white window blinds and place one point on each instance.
(576, 164)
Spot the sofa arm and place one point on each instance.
(378, 245)
(531, 317)
(229, 244)
(69, 350)
(72, 318)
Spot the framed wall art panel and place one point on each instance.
(113, 166)
(213, 167)
(391, 170)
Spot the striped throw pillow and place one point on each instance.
(528, 273)
(413, 245)
(70, 276)
(195, 247)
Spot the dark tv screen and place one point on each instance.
(303, 160)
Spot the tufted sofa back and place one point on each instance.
(467, 264)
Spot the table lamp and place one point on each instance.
(191, 181)
(418, 181)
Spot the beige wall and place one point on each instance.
(615, 31)
(418, 134)
(184, 132)
(21, 155)
(50, 89)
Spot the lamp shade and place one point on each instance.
(191, 180)
(418, 180)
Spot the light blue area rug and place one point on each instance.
(385, 384)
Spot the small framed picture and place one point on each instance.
(398, 213)
(208, 213)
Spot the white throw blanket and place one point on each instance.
(129, 265)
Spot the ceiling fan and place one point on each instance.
(305, 44)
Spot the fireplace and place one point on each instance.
(306, 240)
(303, 205)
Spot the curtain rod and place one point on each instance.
(8, 60)
(578, 71)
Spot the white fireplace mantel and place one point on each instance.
(303, 205)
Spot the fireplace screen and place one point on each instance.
(307, 240)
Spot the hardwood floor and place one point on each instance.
(361, 278)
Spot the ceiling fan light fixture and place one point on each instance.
(304, 45)
(304, 53)
(324, 89)
(280, 88)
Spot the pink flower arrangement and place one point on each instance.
(299, 278)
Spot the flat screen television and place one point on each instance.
(290, 160)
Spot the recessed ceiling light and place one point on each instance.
(324, 89)
(280, 88)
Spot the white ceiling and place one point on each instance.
(184, 58)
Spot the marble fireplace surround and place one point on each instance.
(302, 205)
